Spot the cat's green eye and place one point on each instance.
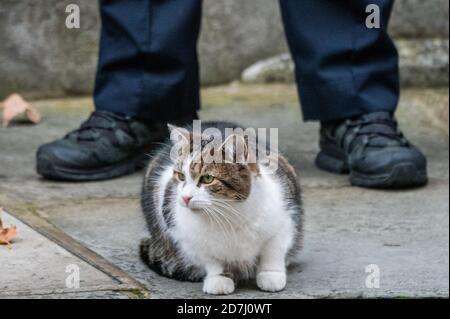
(180, 176)
(207, 179)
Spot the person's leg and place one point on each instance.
(147, 75)
(148, 64)
(348, 78)
(343, 68)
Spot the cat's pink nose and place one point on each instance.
(187, 199)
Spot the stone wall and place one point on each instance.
(41, 58)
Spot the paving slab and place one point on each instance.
(405, 233)
(36, 266)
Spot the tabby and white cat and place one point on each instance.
(220, 222)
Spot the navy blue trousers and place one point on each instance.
(148, 65)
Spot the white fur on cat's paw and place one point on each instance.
(218, 285)
(271, 281)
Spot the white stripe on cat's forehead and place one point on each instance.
(186, 167)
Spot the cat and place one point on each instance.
(220, 222)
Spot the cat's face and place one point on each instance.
(207, 185)
(203, 185)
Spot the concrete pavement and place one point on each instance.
(36, 267)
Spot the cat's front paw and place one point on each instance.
(271, 281)
(218, 285)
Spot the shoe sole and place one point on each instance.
(49, 171)
(404, 175)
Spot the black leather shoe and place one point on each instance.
(373, 150)
(106, 146)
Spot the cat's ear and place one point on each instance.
(235, 149)
(179, 134)
(181, 140)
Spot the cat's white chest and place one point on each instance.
(231, 243)
(238, 240)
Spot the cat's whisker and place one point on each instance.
(237, 214)
(229, 208)
(233, 222)
(219, 220)
(221, 214)
(214, 209)
(208, 214)
(216, 205)
(233, 213)
(220, 223)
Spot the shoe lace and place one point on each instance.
(95, 126)
(375, 132)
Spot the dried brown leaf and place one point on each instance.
(15, 105)
(6, 234)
